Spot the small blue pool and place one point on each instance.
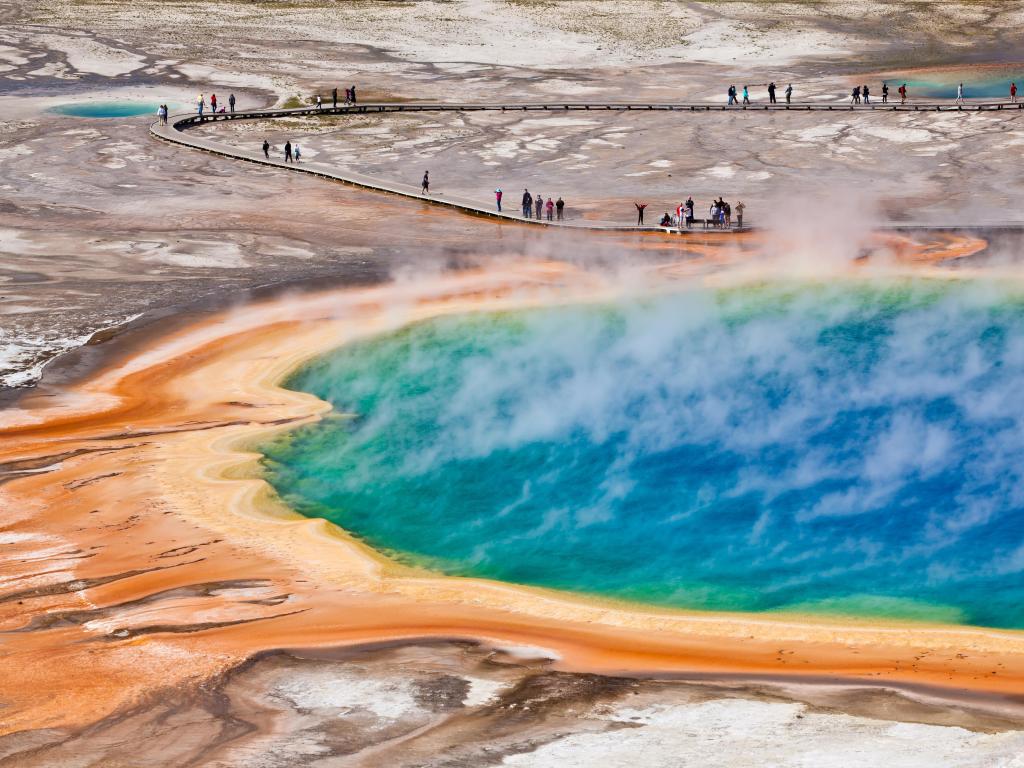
(978, 84)
(109, 108)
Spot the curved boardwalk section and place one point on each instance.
(177, 126)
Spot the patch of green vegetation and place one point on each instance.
(293, 102)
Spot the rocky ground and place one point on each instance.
(101, 225)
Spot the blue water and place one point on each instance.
(978, 84)
(848, 450)
(108, 109)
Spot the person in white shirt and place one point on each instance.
(960, 94)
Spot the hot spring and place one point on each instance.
(106, 109)
(851, 449)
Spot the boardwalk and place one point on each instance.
(176, 132)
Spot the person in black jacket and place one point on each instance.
(559, 208)
(771, 92)
(527, 204)
(266, 149)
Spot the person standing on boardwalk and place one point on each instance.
(855, 95)
(640, 207)
(740, 207)
(1013, 93)
(960, 94)
(559, 207)
(334, 98)
(746, 95)
(319, 104)
(789, 93)
(297, 153)
(771, 92)
(200, 103)
(732, 95)
(213, 103)
(266, 149)
(352, 94)
(231, 102)
(425, 184)
(287, 151)
(497, 198)
(885, 93)
(549, 206)
(538, 207)
(689, 212)
(867, 95)
(527, 203)
(903, 93)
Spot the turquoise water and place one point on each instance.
(108, 109)
(850, 450)
(978, 84)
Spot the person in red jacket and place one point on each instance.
(640, 212)
(497, 197)
(213, 102)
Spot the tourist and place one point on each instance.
(680, 215)
(903, 93)
(740, 207)
(231, 102)
(319, 104)
(425, 184)
(771, 92)
(497, 198)
(746, 94)
(287, 151)
(200, 103)
(297, 153)
(266, 149)
(789, 93)
(559, 207)
(334, 98)
(352, 94)
(527, 203)
(549, 206)
(348, 96)
(1013, 93)
(689, 211)
(732, 95)
(666, 220)
(885, 93)
(213, 102)
(161, 114)
(726, 214)
(855, 95)
(867, 95)
(538, 207)
(960, 94)
(639, 212)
